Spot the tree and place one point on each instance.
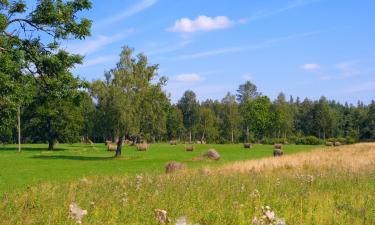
(130, 102)
(189, 108)
(207, 125)
(175, 125)
(247, 91)
(55, 113)
(28, 39)
(258, 115)
(283, 122)
(231, 116)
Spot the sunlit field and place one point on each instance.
(35, 164)
(323, 186)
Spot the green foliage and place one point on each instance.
(190, 111)
(309, 140)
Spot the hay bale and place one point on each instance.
(108, 142)
(337, 143)
(247, 145)
(189, 148)
(199, 142)
(278, 146)
(111, 147)
(143, 147)
(173, 142)
(212, 154)
(173, 166)
(278, 152)
(328, 143)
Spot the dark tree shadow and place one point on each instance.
(38, 149)
(72, 157)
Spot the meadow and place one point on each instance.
(323, 187)
(35, 164)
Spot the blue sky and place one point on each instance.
(305, 48)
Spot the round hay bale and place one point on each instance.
(278, 152)
(143, 147)
(199, 142)
(337, 143)
(278, 146)
(173, 142)
(247, 145)
(189, 148)
(173, 166)
(108, 142)
(111, 147)
(328, 143)
(212, 154)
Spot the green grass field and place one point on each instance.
(68, 162)
(333, 186)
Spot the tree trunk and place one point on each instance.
(19, 128)
(119, 147)
(51, 145)
(190, 136)
(247, 134)
(232, 137)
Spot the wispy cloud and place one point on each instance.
(188, 77)
(98, 60)
(310, 66)
(167, 49)
(128, 12)
(92, 45)
(348, 69)
(247, 77)
(265, 44)
(268, 13)
(363, 87)
(201, 23)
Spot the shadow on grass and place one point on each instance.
(15, 149)
(72, 157)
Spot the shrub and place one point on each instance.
(309, 140)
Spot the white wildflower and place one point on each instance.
(75, 212)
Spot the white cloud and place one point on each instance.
(311, 66)
(265, 44)
(132, 10)
(247, 77)
(98, 60)
(188, 77)
(201, 23)
(348, 70)
(92, 45)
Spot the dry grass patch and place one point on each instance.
(349, 157)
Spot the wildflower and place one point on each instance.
(255, 194)
(161, 216)
(268, 217)
(75, 212)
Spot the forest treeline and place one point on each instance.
(41, 101)
(129, 103)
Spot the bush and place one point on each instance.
(309, 140)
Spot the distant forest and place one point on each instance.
(127, 103)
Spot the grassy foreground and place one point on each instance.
(68, 162)
(328, 186)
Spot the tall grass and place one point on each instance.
(305, 192)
